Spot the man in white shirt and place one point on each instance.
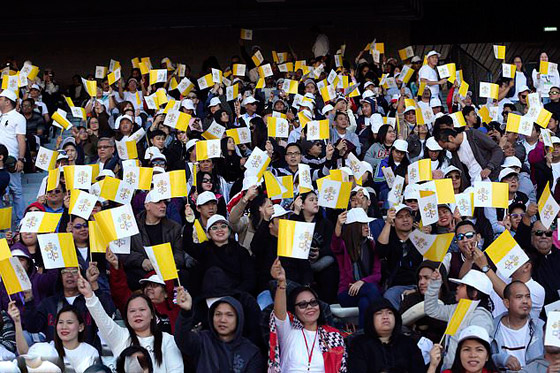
(12, 135)
(429, 75)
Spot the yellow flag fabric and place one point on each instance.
(294, 238)
(200, 233)
(420, 171)
(5, 252)
(318, 130)
(97, 242)
(500, 52)
(90, 86)
(240, 135)
(463, 89)
(178, 120)
(161, 257)
(489, 90)
(548, 207)
(171, 184)
(5, 218)
(485, 114)
(288, 183)
(14, 277)
(53, 179)
(421, 88)
(506, 254)
(463, 309)
(138, 177)
(491, 194)
(543, 118)
(116, 223)
(40, 222)
(458, 119)
(274, 187)
(334, 194)
(431, 246)
(61, 120)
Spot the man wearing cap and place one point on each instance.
(400, 255)
(554, 105)
(132, 94)
(521, 104)
(518, 337)
(250, 104)
(154, 229)
(38, 106)
(342, 138)
(12, 135)
(428, 73)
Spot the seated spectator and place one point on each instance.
(134, 359)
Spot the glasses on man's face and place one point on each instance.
(215, 227)
(515, 216)
(467, 235)
(158, 163)
(303, 305)
(80, 226)
(104, 147)
(524, 96)
(539, 233)
(293, 154)
(69, 271)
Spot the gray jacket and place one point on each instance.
(539, 365)
(534, 349)
(480, 317)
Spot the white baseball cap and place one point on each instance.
(506, 172)
(477, 280)
(188, 104)
(215, 219)
(279, 211)
(433, 145)
(474, 331)
(35, 86)
(215, 101)
(368, 93)
(513, 161)
(400, 207)
(450, 169)
(326, 109)
(411, 192)
(249, 100)
(153, 197)
(523, 88)
(191, 143)
(368, 83)
(205, 197)
(105, 172)
(401, 145)
(347, 171)
(8, 93)
(119, 119)
(153, 278)
(435, 102)
(361, 188)
(357, 215)
(432, 53)
(409, 108)
(306, 103)
(555, 140)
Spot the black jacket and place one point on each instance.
(367, 354)
(399, 261)
(209, 353)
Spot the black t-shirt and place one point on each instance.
(155, 234)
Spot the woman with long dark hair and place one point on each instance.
(134, 359)
(380, 150)
(141, 330)
(230, 166)
(398, 162)
(68, 339)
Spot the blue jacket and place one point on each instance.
(534, 349)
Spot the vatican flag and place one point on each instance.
(290, 86)
(239, 69)
(214, 132)
(158, 76)
(428, 207)
(39, 222)
(241, 135)
(78, 177)
(185, 86)
(552, 334)
(432, 246)
(257, 58)
(318, 130)
(328, 93)
(500, 52)
(90, 86)
(274, 187)
(288, 183)
(246, 34)
(546, 67)
(58, 250)
(463, 309)
(171, 184)
(420, 171)
(205, 82)
(172, 106)
(406, 53)
(14, 277)
(458, 119)
(443, 188)
(465, 203)
(60, 120)
(114, 189)
(81, 203)
(489, 90)
(114, 76)
(232, 92)
(305, 181)
(508, 70)
(116, 223)
(46, 159)
(207, 149)
(138, 177)
(463, 89)
(200, 233)
(489, 194)
(519, 124)
(161, 257)
(506, 254)
(97, 242)
(548, 207)
(257, 163)
(294, 238)
(177, 119)
(278, 127)
(334, 194)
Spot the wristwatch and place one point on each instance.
(485, 269)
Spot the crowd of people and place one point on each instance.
(237, 305)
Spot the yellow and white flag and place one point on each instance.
(389, 176)
(290, 86)
(46, 159)
(461, 313)
(464, 89)
(334, 194)
(177, 119)
(294, 238)
(257, 163)
(241, 135)
(396, 193)
(158, 76)
(458, 119)
(465, 204)
(29, 71)
(14, 277)
(214, 132)
(548, 207)
(78, 177)
(217, 76)
(500, 52)
(428, 207)
(519, 124)
(232, 92)
(405, 74)
(508, 70)
(185, 86)
(114, 189)
(171, 106)
(171, 184)
(304, 176)
(90, 86)
(138, 177)
(207, 149)
(205, 82)
(199, 231)
(432, 246)
(406, 53)
(114, 76)
(552, 333)
(101, 72)
(78, 112)
(116, 223)
(81, 203)
(318, 130)
(265, 71)
(39, 222)
(506, 254)
(126, 149)
(447, 71)
(420, 171)
(161, 257)
(288, 183)
(257, 58)
(489, 90)
(60, 120)
(114, 65)
(443, 189)
(58, 250)
(5, 251)
(5, 218)
(278, 127)
(357, 167)
(239, 69)
(489, 194)
(546, 67)
(328, 93)
(539, 115)
(274, 187)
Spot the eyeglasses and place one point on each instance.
(455, 177)
(515, 216)
(206, 180)
(303, 305)
(539, 233)
(69, 271)
(554, 93)
(158, 163)
(103, 147)
(216, 227)
(79, 226)
(468, 236)
(523, 96)
(293, 154)
(55, 191)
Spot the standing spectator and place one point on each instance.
(429, 75)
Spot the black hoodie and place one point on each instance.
(367, 353)
(209, 353)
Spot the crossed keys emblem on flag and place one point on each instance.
(130, 177)
(281, 127)
(214, 149)
(305, 239)
(43, 159)
(171, 117)
(482, 194)
(413, 174)
(52, 253)
(330, 193)
(32, 222)
(548, 211)
(20, 273)
(125, 221)
(419, 242)
(429, 210)
(124, 193)
(313, 130)
(82, 177)
(463, 205)
(305, 176)
(243, 135)
(256, 161)
(161, 187)
(512, 262)
(84, 205)
(556, 329)
(485, 90)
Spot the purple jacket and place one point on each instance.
(345, 265)
(43, 283)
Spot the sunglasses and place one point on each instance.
(523, 96)
(468, 236)
(206, 180)
(554, 93)
(515, 216)
(79, 226)
(539, 233)
(303, 305)
(216, 227)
